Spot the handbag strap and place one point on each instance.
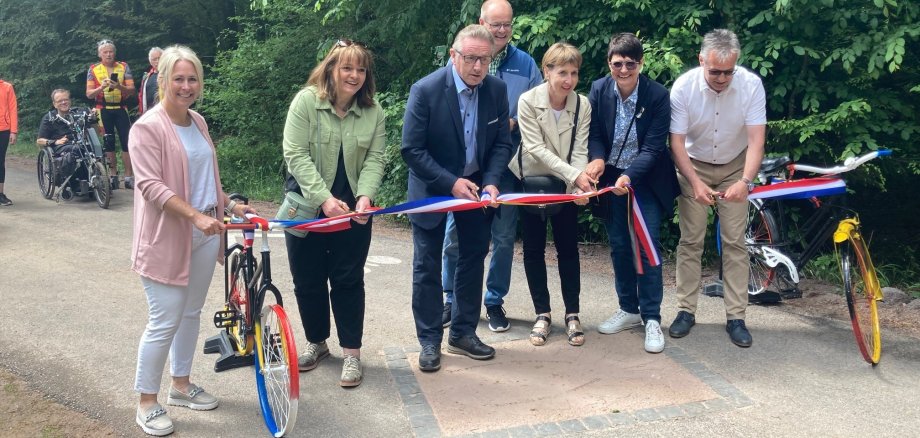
(571, 145)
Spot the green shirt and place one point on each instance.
(313, 136)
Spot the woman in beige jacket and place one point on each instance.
(546, 115)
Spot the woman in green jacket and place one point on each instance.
(334, 152)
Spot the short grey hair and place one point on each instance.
(721, 41)
(153, 50)
(477, 32)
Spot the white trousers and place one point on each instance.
(174, 318)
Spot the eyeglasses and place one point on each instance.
(717, 73)
(630, 65)
(104, 43)
(470, 59)
(497, 26)
(61, 101)
(345, 42)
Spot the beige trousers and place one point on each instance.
(693, 218)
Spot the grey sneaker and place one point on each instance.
(351, 372)
(619, 322)
(4, 200)
(154, 421)
(129, 182)
(312, 355)
(196, 399)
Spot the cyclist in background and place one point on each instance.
(110, 83)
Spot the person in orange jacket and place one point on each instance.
(9, 126)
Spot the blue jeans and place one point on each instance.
(504, 230)
(638, 294)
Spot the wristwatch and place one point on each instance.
(749, 183)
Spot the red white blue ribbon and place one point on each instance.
(439, 204)
(800, 189)
(639, 235)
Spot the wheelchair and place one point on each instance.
(80, 169)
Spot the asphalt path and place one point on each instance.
(73, 312)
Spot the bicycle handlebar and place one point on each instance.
(848, 164)
(255, 223)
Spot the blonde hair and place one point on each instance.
(561, 54)
(344, 51)
(168, 60)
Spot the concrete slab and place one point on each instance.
(553, 387)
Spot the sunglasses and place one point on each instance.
(104, 43)
(717, 73)
(630, 65)
(345, 42)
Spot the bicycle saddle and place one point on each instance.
(771, 165)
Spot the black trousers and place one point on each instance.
(4, 143)
(112, 120)
(329, 268)
(565, 236)
(473, 235)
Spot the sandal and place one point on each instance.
(573, 329)
(541, 330)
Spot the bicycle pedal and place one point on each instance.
(793, 293)
(225, 318)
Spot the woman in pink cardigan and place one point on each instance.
(178, 210)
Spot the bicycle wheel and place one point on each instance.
(45, 169)
(99, 180)
(761, 232)
(238, 301)
(862, 290)
(277, 377)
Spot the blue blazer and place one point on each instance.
(432, 138)
(652, 167)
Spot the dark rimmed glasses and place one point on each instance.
(470, 59)
(716, 72)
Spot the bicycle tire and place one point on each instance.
(45, 169)
(99, 180)
(277, 376)
(238, 301)
(861, 286)
(761, 231)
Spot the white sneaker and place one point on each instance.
(654, 339)
(619, 322)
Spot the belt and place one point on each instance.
(110, 107)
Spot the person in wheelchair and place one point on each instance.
(55, 132)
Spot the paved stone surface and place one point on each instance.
(555, 389)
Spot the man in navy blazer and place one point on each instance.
(455, 140)
(627, 145)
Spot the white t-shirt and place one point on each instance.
(202, 187)
(716, 123)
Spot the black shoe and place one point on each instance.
(682, 324)
(113, 181)
(4, 200)
(739, 333)
(470, 346)
(129, 182)
(497, 320)
(430, 358)
(446, 316)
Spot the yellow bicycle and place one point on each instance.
(778, 253)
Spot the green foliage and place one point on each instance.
(252, 168)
